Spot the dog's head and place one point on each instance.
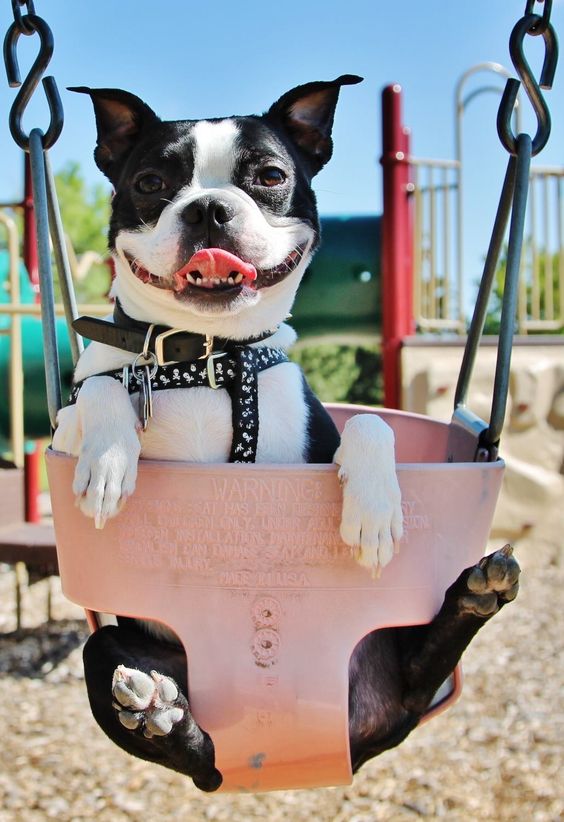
(214, 221)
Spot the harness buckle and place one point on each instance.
(210, 366)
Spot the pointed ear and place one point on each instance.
(307, 113)
(120, 119)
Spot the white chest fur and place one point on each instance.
(195, 424)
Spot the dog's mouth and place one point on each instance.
(214, 271)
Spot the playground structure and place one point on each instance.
(470, 447)
(402, 272)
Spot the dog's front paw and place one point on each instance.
(372, 519)
(109, 450)
(105, 475)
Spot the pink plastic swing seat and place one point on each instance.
(245, 564)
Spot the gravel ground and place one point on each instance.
(495, 756)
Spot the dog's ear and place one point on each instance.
(120, 119)
(307, 112)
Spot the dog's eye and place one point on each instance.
(149, 184)
(270, 177)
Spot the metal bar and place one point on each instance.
(449, 324)
(548, 285)
(540, 171)
(397, 277)
(50, 350)
(535, 311)
(508, 311)
(542, 325)
(481, 307)
(417, 272)
(446, 246)
(433, 302)
(15, 402)
(33, 310)
(427, 161)
(560, 234)
(30, 232)
(63, 266)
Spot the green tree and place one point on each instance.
(548, 283)
(85, 212)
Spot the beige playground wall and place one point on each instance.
(532, 443)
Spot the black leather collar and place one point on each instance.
(168, 344)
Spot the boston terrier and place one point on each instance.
(213, 225)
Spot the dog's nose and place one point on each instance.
(207, 215)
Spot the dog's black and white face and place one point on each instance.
(214, 221)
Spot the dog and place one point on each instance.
(213, 224)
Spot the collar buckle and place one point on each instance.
(208, 348)
(159, 345)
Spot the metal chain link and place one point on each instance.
(19, 18)
(46, 208)
(535, 26)
(28, 25)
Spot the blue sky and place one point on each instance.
(198, 59)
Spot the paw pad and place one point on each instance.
(146, 702)
(491, 583)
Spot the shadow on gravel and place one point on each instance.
(36, 652)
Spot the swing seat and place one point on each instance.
(245, 564)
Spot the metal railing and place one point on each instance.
(15, 368)
(15, 309)
(438, 278)
(438, 287)
(541, 294)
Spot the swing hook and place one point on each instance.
(30, 24)
(535, 25)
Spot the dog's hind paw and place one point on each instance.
(152, 704)
(372, 519)
(491, 583)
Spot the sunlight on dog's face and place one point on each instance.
(214, 221)
(239, 199)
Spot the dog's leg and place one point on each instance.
(137, 690)
(372, 520)
(430, 655)
(394, 675)
(109, 450)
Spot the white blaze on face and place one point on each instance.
(265, 240)
(214, 153)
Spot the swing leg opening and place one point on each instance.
(426, 655)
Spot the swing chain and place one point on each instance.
(29, 24)
(21, 19)
(534, 25)
(511, 210)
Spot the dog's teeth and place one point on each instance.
(231, 281)
(216, 280)
(239, 278)
(191, 279)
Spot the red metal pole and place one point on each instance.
(30, 235)
(32, 457)
(397, 255)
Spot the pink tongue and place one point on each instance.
(215, 262)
